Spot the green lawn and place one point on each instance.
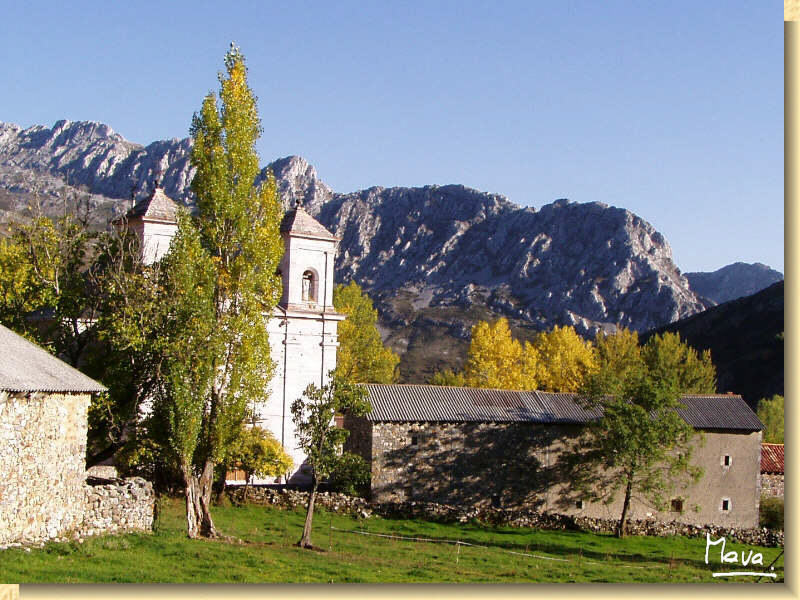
(264, 552)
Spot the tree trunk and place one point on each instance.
(625, 506)
(305, 541)
(198, 501)
(221, 485)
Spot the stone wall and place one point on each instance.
(360, 439)
(524, 466)
(42, 454)
(361, 508)
(44, 493)
(106, 507)
(118, 506)
(772, 484)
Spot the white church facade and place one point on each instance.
(302, 328)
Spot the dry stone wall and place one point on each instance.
(117, 506)
(44, 491)
(363, 509)
(772, 484)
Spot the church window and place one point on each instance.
(309, 287)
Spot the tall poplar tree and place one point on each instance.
(221, 285)
(496, 360)
(362, 357)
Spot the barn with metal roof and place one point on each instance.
(43, 425)
(506, 448)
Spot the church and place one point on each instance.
(302, 329)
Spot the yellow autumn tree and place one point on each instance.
(565, 359)
(362, 357)
(618, 352)
(496, 360)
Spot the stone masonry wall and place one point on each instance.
(118, 506)
(42, 463)
(772, 484)
(523, 466)
(44, 493)
(363, 509)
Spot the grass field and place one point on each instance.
(263, 551)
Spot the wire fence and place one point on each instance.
(459, 543)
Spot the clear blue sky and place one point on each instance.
(673, 110)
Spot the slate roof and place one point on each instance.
(419, 403)
(299, 222)
(772, 458)
(25, 367)
(157, 206)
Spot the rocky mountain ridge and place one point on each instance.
(733, 281)
(434, 259)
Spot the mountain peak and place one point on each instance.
(298, 180)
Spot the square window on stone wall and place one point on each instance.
(677, 505)
(579, 505)
(726, 504)
(726, 460)
(415, 440)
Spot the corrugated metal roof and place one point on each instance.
(403, 402)
(772, 458)
(719, 411)
(25, 367)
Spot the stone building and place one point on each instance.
(772, 469)
(303, 327)
(480, 447)
(43, 408)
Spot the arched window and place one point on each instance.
(309, 287)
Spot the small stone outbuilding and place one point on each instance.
(772, 470)
(480, 447)
(43, 424)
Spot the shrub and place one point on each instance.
(771, 512)
(350, 476)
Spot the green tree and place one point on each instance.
(619, 352)
(770, 412)
(449, 378)
(640, 445)
(361, 356)
(565, 359)
(351, 475)
(125, 354)
(220, 287)
(46, 290)
(257, 452)
(320, 439)
(19, 294)
(496, 360)
(84, 296)
(667, 356)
